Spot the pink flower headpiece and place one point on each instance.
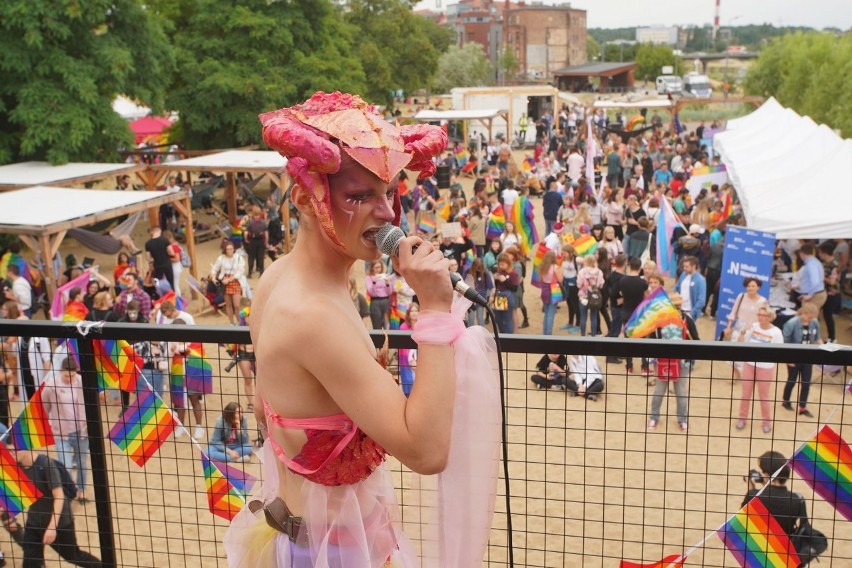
(311, 136)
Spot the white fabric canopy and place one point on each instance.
(789, 173)
(43, 206)
(41, 173)
(464, 114)
(231, 159)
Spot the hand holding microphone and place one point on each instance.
(388, 239)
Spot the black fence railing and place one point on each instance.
(590, 483)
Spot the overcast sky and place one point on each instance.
(627, 13)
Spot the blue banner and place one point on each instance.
(747, 254)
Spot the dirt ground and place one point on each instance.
(590, 485)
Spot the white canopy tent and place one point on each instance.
(26, 174)
(787, 171)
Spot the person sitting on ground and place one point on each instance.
(586, 378)
(230, 440)
(551, 371)
(786, 507)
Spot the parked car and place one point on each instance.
(698, 86)
(669, 84)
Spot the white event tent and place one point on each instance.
(788, 172)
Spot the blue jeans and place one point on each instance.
(584, 313)
(72, 452)
(157, 380)
(617, 323)
(476, 316)
(222, 456)
(549, 313)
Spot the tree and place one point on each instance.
(650, 60)
(593, 48)
(237, 59)
(63, 64)
(508, 65)
(619, 52)
(465, 66)
(810, 73)
(402, 46)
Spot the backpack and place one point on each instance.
(595, 298)
(255, 228)
(185, 261)
(68, 485)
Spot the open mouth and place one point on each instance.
(370, 235)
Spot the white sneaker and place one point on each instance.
(198, 433)
(180, 432)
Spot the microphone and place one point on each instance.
(388, 238)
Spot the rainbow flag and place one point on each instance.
(825, 463)
(223, 498)
(654, 312)
(244, 314)
(177, 374)
(17, 492)
(670, 561)
(116, 364)
(523, 217)
(556, 294)
(242, 481)
(535, 277)
(428, 224)
(198, 371)
(75, 311)
(496, 223)
(584, 245)
(57, 306)
(143, 427)
(179, 301)
(68, 347)
(756, 540)
(237, 235)
(13, 258)
(31, 431)
(396, 316)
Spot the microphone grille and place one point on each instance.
(387, 239)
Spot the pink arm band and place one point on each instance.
(437, 328)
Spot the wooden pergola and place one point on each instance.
(43, 227)
(230, 162)
(29, 174)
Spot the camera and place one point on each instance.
(754, 475)
(230, 366)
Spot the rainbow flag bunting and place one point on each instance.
(496, 223)
(670, 561)
(242, 481)
(198, 371)
(223, 498)
(825, 463)
(116, 364)
(654, 312)
(31, 431)
(756, 539)
(584, 245)
(428, 224)
(143, 427)
(17, 491)
(523, 216)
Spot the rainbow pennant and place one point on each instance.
(116, 364)
(198, 371)
(670, 561)
(13, 258)
(242, 481)
(223, 498)
(756, 539)
(523, 217)
(17, 492)
(143, 427)
(584, 245)
(428, 224)
(31, 431)
(655, 311)
(825, 463)
(496, 223)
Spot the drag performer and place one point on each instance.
(331, 411)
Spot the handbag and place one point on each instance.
(725, 335)
(808, 542)
(501, 302)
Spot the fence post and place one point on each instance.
(97, 451)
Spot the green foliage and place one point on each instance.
(466, 66)
(603, 35)
(619, 52)
(237, 59)
(61, 65)
(402, 47)
(810, 73)
(650, 60)
(593, 48)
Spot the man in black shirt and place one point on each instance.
(157, 249)
(619, 265)
(631, 289)
(49, 520)
(787, 507)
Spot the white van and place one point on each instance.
(669, 84)
(698, 86)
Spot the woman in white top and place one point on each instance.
(611, 243)
(590, 276)
(744, 314)
(510, 236)
(229, 269)
(762, 332)
(613, 212)
(595, 211)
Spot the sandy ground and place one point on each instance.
(589, 484)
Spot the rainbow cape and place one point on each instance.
(584, 245)
(654, 312)
(143, 427)
(496, 223)
(428, 224)
(198, 371)
(670, 561)
(31, 431)
(13, 258)
(756, 539)
(17, 492)
(523, 217)
(556, 294)
(223, 498)
(116, 364)
(75, 311)
(825, 463)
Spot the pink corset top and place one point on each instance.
(336, 452)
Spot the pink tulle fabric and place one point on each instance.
(359, 525)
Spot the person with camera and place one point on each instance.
(551, 371)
